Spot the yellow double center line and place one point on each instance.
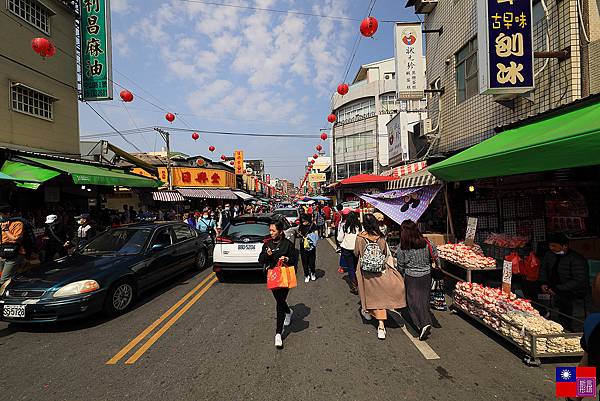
(211, 277)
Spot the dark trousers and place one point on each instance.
(309, 259)
(280, 295)
(336, 234)
(417, 299)
(350, 263)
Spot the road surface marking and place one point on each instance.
(332, 243)
(422, 346)
(149, 329)
(167, 325)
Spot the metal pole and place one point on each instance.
(166, 137)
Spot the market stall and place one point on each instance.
(517, 321)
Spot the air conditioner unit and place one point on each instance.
(387, 76)
(425, 127)
(423, 6)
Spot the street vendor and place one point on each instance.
(563, 275)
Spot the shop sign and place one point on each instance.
(410, 65)
(96, 50)
(268, 178)
(198, 177)
(238, 162)
(506, 276)
(317, 177)
(471, 230)
(505, 46)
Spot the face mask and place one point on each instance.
(205, 216)
(559, 253)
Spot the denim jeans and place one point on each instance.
(9, 267)
(351, 262)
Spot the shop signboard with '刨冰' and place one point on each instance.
(96, 50)
(505, 46)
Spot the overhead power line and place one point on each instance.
(201, 131)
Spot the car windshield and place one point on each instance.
(287, 212)
(245, 229)
(122, 241)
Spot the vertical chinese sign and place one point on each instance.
(268, 178)
(96, 51)
(238, 162)
(410, 68)
(505, 46)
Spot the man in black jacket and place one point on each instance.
(564, 276)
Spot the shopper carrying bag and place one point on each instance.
(279, 254)
(380, 285)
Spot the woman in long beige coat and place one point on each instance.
(378, 291)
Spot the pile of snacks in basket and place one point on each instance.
(469, 257)
(506, 241)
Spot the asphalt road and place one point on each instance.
(217, 344)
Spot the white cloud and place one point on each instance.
(120, 6)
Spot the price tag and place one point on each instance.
(506, 276)
(471, 230)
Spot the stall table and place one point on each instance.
(469, 270)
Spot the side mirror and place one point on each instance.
(157, 247)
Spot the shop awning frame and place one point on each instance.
(420, 178)
(167, 196)
(566, 140)
(88, 174)
(207, 193)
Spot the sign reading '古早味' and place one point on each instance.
(96, 68)
(505, 46)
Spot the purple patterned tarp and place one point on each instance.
(404, 204)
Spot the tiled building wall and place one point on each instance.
(468, 123)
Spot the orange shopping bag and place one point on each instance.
(281, 276)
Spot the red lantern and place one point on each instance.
(39, 44)
(315, 156)
(211, 148)
(368, 26)
(342, 89)
(324, 136)
(232, 163)
(319, 148)
(170, 117)
(195, 136)
(200, 162)
(126, 96)
(50, 50)
(331, 118)
(223, 157)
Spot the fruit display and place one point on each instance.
(466, 256)
(506, 241)
(514, 318)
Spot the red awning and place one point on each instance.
(366, 179)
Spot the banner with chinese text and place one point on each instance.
(198, 177)
(239, 162)
(505, 42)
(410, 65)
(96, 51)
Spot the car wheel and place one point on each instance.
(201, 259)
(119, 298)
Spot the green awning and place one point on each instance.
(87, 174)
(571, 139)
(32, 175)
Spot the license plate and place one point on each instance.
(246, 247)
(14, 311)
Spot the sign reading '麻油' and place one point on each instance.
(96, 68)
(505, 46)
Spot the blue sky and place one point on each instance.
(236, 70)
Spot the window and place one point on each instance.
(389, 102)
(354, 168)
(342, 171)
(163, 238)
(357, 110)
(355, 142)
(119, 240)
(32, 102)
(32, 12)
(183, 233)
(466, 71)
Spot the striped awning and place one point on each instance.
(207, 193)
(167, 196)
(243, 195)
(420, 178)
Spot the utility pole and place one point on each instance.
(166, 137)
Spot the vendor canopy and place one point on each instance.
(404, 204)
(35, 176)
(571, 139)
(87, 174)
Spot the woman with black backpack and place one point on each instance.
(380, 285)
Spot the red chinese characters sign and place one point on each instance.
(239, 162)
(199, 177)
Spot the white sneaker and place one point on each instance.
(425, 332)
(288, 318)
(366, 315)
(306, 279)
(381, 334)
(313, 277)
(278, 341)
